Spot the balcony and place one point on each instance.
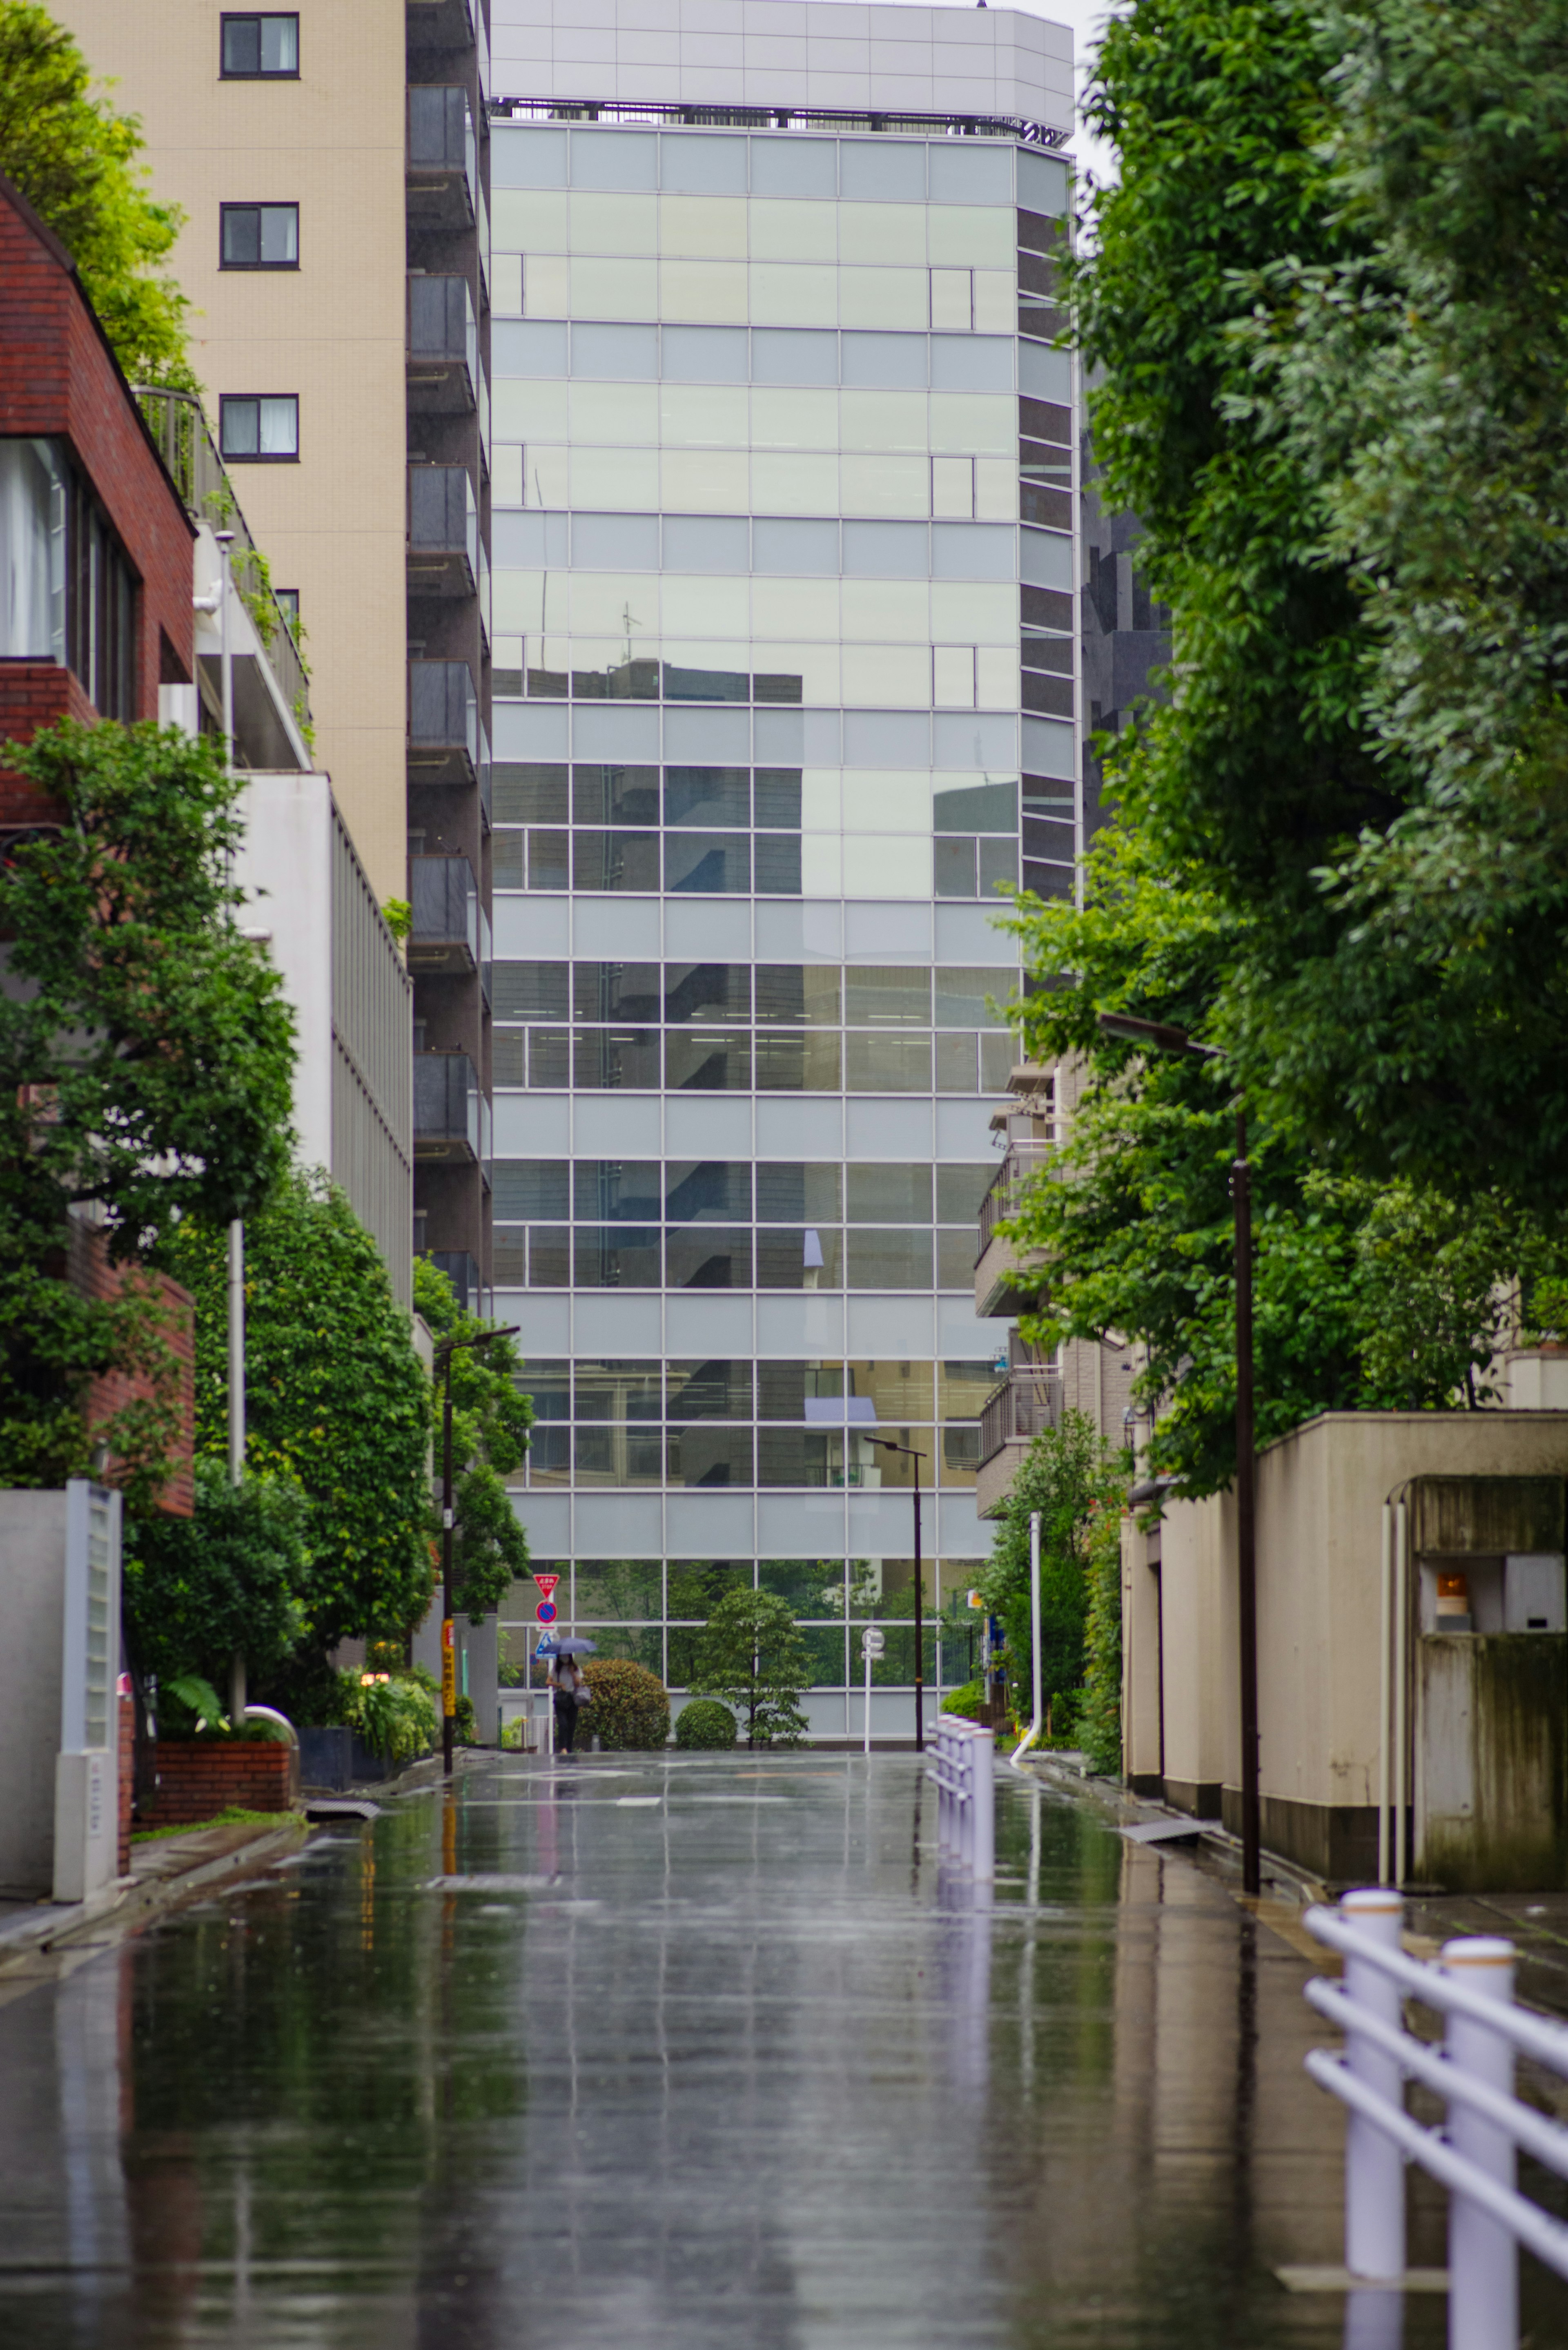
(445, 558)
(443, 723)
(443, 346)
(442, 165)
(1028, 1401)
(448, 1109)
(444, 941)
(1001, 1286)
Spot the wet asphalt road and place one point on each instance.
(696, 2055)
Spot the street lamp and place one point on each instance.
(1165, 1038)
(445, 1351)
(886, 1444)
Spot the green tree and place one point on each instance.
(753, 1658)
(336, 1397)
(1100, 1717)
(1070, 1476)
(229, 1577)
(73, 157)
(490, 1417)
(145, 1065)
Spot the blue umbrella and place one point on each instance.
(577, 1647)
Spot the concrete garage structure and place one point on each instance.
(1475, 1717)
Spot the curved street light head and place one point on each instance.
(1161, 1034)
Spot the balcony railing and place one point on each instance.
(443, 343)
(444, 898)
(444, 555)
(176, 422)
(1027, 1402)
(447, 1107)
(1023, 1159)
(443, 721)
(443, 155)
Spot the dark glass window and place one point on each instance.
(713, 1391)
(615, 861)
(259, 236)
(612, 1190)
(708, 1257)
(707, 863)
(260, 48)
(259, 428)
(613, 795)
(707, 795)
(707, 1190)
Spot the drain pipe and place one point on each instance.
(1031, 1735)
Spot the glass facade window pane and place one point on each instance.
(997, 1055)
(621, 1589)
(885, 362)
(794, 355)
(707, 796)
(612, 991)
(709, 1453)
(977, 807)
(708, 863)
(707, 992)
(549, 861)
(644, 1648)
(777, 865)
(805, 996)
(892, 1194)
(615, 861)
(799, 230)
(549, 1383)
(813, 1587)
(704, 354)
(615, 1256)
(960, 1454)
(710, 1390)
(801, 1390)
(614, 796)
(509, 862)
(610, 1190)
(526, 1190)
(549, 1058)
(885, 996)
(629, 1391)
(531, 991)
(957, 1064)
(886, 1065)
(804, 1257)
(792, 1192)
(707, 1256)
(790, 165)
(889, 1260)
(617, 1454)
(961, 1189)
(696, 1586)
(998, 866)
(956, 1252)
(897, 1391)
(825, 1656)
(705, 544)
(800, 1456)
(808, 1061)
(793, 294)
(549, 1457)
(549, 1257)
(700, 226)
(777, 792)
(955, 867)
(707, 1190)
(708, 1060)
(615, 1059)
(509, 1257)
(881, 170)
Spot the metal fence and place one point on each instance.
(964, 1776)
(1026, 1403)
(1474, 2156)
(177, 424)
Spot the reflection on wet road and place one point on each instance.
(694, 2053)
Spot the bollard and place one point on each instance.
(982, 1805)
(1483, 2257)
(1374, 2166)
(965, 1804)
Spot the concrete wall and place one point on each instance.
(1321, 1493)
(32, 1605)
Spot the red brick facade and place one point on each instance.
(94, 1275)
(59, 380)
(199, 1777)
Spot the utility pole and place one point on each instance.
(886, 1444)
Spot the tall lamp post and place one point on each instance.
(1165, 1038)
(446, 1350)
(886, 1444)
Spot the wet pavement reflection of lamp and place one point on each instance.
(886, 1444)
(1165, 1038)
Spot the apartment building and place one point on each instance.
(331, 162)
(782, 467)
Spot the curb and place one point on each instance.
(126, 1904)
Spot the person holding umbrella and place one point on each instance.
(570, 1685)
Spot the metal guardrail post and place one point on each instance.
(1483, 2259)
(982, 1805)
(1374, 2166)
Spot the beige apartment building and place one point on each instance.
(288, 166)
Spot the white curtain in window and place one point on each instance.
(280, 427)
(32, 552)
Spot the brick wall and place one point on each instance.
(198, 1777)
(59, 380)
(92, 1274)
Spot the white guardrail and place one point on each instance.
(1474, 2155)
(964, 1777)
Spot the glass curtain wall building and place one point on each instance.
(782, 465)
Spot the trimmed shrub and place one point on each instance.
(705, 1722)
(630, 1707)
(968, 1702)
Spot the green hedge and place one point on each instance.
(630, 1707)
(705, 1722)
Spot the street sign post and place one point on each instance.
(545, 1611)
(546, 1584)
(872, 1643)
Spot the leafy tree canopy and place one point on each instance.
(227, 1578)
(490, 1417)
(753, 1658)
(1069, 1475)
(336, 1397)
(73, 157)
(145, 1062)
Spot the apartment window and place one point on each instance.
(66, 591)
(259, 429)
(287, 599)
(259, 236)
(260, 48)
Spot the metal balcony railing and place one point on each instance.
(447, 1107)
(176, 422)
(444, 898)
(1027, 1402)
(443, 530)
(443, 340)
(444, 154)
(443, 714)
(1023, 1159)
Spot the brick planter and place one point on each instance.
(199, 1776)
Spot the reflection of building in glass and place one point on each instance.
(781, 669)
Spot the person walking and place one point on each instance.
(569, 1682)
